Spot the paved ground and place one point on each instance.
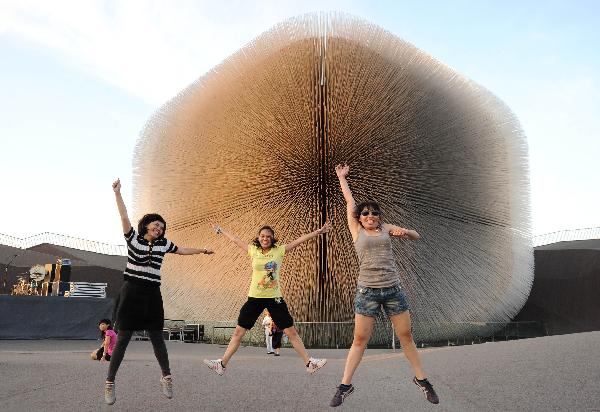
(557, 373)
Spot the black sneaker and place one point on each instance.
(427, 389)
(341, 394)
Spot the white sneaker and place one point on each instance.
(167, 386)
(215, 365)
(109, 393)
(315, 364)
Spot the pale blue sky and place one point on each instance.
(79, 80)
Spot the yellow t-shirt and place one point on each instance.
(265, 272)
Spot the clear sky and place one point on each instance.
(80, 78)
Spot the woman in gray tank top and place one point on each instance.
(378, 288)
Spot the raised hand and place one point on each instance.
(219, 230)
(325, 228)
(121, 206)
(117, 186)
(342, 170)
(315, 233)
(398, 232)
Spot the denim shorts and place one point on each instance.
(368, 301)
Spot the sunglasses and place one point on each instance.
(370, 212)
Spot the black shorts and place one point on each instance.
(255, 306)
(100, 352)
(277, 336)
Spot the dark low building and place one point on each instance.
(565, 295)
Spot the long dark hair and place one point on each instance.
(146, 220)
(256, 242)
(106, 322)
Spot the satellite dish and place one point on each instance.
(37, 272)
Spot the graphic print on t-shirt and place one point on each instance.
(269, 280)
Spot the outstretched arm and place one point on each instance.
(121, 206)
(193, 251)
(241, 244)
(401, 232)
(342, 172)
(324, 229)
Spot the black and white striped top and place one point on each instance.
(144, 259)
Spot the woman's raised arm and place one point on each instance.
(121, 206)
(342, 172)
(324, 229)
(219, 230)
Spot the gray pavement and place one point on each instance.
(555, 373)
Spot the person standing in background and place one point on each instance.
(277, 335)
(268, 336)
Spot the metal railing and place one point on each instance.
(338, 335)
(121, 250)
(65, 241)
(566, 236)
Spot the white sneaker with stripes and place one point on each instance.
(215, 365)
(314, 364)
(166, 384)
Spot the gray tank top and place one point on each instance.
(376, 265)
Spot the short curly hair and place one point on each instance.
(146, 220)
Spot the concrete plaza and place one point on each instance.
(555, 373)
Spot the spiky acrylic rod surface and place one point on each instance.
(256, 139)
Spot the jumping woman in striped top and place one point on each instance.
(139, 305)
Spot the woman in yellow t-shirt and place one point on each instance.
(266, 257)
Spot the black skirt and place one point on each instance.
(139, 307)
